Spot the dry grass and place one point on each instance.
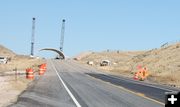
(163, 64)
(21, 63)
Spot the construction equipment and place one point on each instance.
(32, 37)
(90, 63)
(105, 63)
(62, 35)
(3, 60)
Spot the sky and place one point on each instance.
(91, 25)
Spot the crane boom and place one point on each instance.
(33, 37)
(62, 35)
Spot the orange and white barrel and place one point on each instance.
(42, 69)
(136, 76)
(29, 74)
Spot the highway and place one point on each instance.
(69, 84)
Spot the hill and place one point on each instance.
(21, 62)
(6, 52)
(163, 63)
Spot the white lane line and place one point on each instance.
(69, 92)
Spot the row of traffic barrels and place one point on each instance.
(30, 71)
(141, 74)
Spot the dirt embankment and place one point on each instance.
(10, 85)
(163, 64)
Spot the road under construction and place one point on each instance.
(70, 84)
(67, 83)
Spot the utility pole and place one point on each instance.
(33, 37)
(62, 35)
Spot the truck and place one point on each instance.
(3, 60)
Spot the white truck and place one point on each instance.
(105, 63)
(3, 60)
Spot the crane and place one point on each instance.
(33, 37)
(62, 35)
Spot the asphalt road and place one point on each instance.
(69, 84)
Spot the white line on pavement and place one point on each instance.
(69, 92)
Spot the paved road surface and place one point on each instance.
(68, 84)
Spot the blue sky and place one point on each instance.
(90, 24)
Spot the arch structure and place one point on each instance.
(61, 54)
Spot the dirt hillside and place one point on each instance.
(21, 62)
(6, 52)
(163, 63)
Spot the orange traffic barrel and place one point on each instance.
(27, 70)
(29, 73)
(44, 66)
(136, 77)
(42, 69)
